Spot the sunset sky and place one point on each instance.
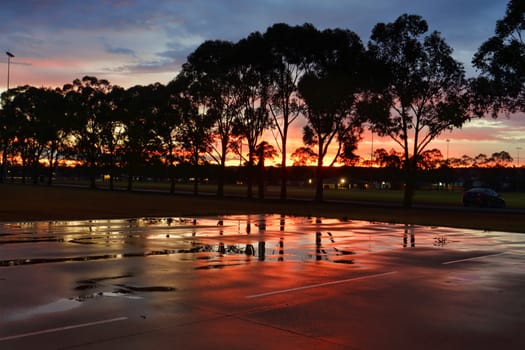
(133, 42)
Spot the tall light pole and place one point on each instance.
(3, 167)
(9, 56)
(518, 148)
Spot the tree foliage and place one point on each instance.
(501, 60)
(422, 94)
(329, 92)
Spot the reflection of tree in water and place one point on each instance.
(440, 241)
(281, 249)
(329, 251)
(320, 252)
(409, 231)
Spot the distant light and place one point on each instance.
(9, 54)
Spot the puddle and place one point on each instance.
(221, 242)
(139, 248)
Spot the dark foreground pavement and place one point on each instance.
(410, 296)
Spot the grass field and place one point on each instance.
(514, 200)
(40, 202)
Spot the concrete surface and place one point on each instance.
(259, 283)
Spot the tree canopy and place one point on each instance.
(421, 92)
(501, 60)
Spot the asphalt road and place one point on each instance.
(258, 282)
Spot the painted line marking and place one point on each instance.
(474, 258)
(282, 291)
(60, 329)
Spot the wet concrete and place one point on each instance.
(245, 282)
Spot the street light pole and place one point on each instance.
(518, 148)
(9, 56)
(3, 167)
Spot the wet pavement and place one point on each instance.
(252, 282)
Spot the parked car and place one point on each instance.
(483, 197)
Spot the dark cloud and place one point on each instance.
(176, 27)
(119, 50)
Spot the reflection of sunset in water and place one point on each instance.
(268, 280)
(217, 243)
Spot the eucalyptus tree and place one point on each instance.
(422, 92)
(501, 60)
(292, 57)
(8, 130)
(254, 79)
(87, 103)
(330, 92)
(53, 126)
(263, 151)
(209, 78)
(168, 107)
(139, 141)
(112, 131)
(22, 133)
(196, 138)
(35, 114)
(4, 143)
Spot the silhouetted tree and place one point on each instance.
(423, 93)
(253, 117)
(26, 142)
(139, 136)
(302, 156)
(263, 151)
(390, 159)
(501, 159)
(8, 130)
(210, 77)
(330, 92)
(501, 60)
(292, 57)
(86, 105)
(54, 126)
(430, 159)
(481, 160)
(170, 105)
(195, 135)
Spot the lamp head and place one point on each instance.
(9, 54)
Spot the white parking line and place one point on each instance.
(65, 328)
(474, 258)
(317, 285)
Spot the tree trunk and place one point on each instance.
(92, 175)
(222, 168)
(284, 174)
(3, 169)
(261, 177)
(130, 181)
(319, 175)
(249, 182)
(410, 184)
(111, 172)
(52, 164)
(196, 186)
(171, 169)
(249, 177)
(172, 184)
(220, 181)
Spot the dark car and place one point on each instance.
(483, 197)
